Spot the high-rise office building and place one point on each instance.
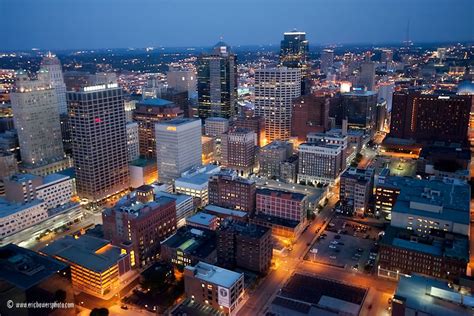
(215, 127)
(178, 147)
(99, 140)
(327, 60)
(309, 113)
(367, 75)
(217, 82)
(239, 150)
(52, 65)
(430, 117)
(275, 90)
(181, 80)
(133, 141)
(147, 113)
(294, 49)
(35, 109)
(359, 108)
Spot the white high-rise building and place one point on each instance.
(216, 126)
(36, 118)
(53, 66)
(133, 141)
(178, 147)
(275, 89)
(367, 75)
(182, 80)
(327, 60)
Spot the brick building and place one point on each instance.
(228, 190)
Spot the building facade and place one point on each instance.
(271, 156)
(309, 113)
(239, 150)
(228, 190)
(319, 162)
(133, 143)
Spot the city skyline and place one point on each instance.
(155, 23)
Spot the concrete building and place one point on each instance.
(327, 60)
(203, 220)
(309, 113)
(208, 150)
(36, 117)
(289, 169)
(31, 277)
(367, 75)
(215, 127)
(147, 113)
(133, 147)
(51, 64)
(194, 182)
(220, 289)
(338, 138)
(138, 222)
(228, 190)
(184, 205)
(254, 123)
(243, 245)
(271, 156)
(239, 150)
(142, 171)
(319, 162)
(99, 134)
(179, 147)
(223, 213)
(217, 82)
(188, 246)
(15, 217)
(355, 189)
(181, 80)
(97, 267)
(275, 90)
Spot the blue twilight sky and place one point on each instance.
(66, 24)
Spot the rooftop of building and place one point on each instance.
(196, 242)
(25, 268)
(361, 93)
(50, 178)
(70, 172)
(243, 228)
(198, 176)
(8, 208)
(450, 195)
(129, 204)
(362, 175)
(23, 177)
(230, 174)
(177, 121)
(277, 144)
(156, 102)
(438, 243)
(217, 119)
(274, 220)
(201, 218)
(433, 297)
(282, 194)
(214, 274)
(321, 144)
(179, 198)
(225, 211)
(92, 253)
(140, 162)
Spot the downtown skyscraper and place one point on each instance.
(99, 140)
(217, 82)
(294, 49)
(275, 90)
(36, 117)
(55, 74)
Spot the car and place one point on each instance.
(324, 235)
(331, 225)
(334, 242)
(355, 267)
(124, 307)
(358, 255)
(332, 247)
(333, 257)
(337, 237)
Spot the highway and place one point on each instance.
(380, 290)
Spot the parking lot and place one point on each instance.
(346, 244)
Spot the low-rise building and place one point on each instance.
(244, 245)
(138, 222)
(271, 156)
(15, 217)
(184, 205)
(215, 127)
(96, 265)
(438, 254)
(209, 285)
(287, 205)
(356, 187)
(188, 246)
(195, 183)
(203, 220)
(223, 213)
(289, 169)
(228, 190)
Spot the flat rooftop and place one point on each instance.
(177, 121)
(196, 242)
(244, 229)
(25, 268)
(179, 198)
(201, 218)
(9, 208)
(214, 274)
(432, 296)
(155, 102)
(282, 194)
(225, 211)
(92, 253)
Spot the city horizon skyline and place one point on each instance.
(401, 21)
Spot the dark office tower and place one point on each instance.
(430, 117)
(294, 54)
(327, 60)
(359, 107)
(294, 49)
(147, 113)
(99, 140)
(309, 113)
(217, 82)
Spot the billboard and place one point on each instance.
(223, 296)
